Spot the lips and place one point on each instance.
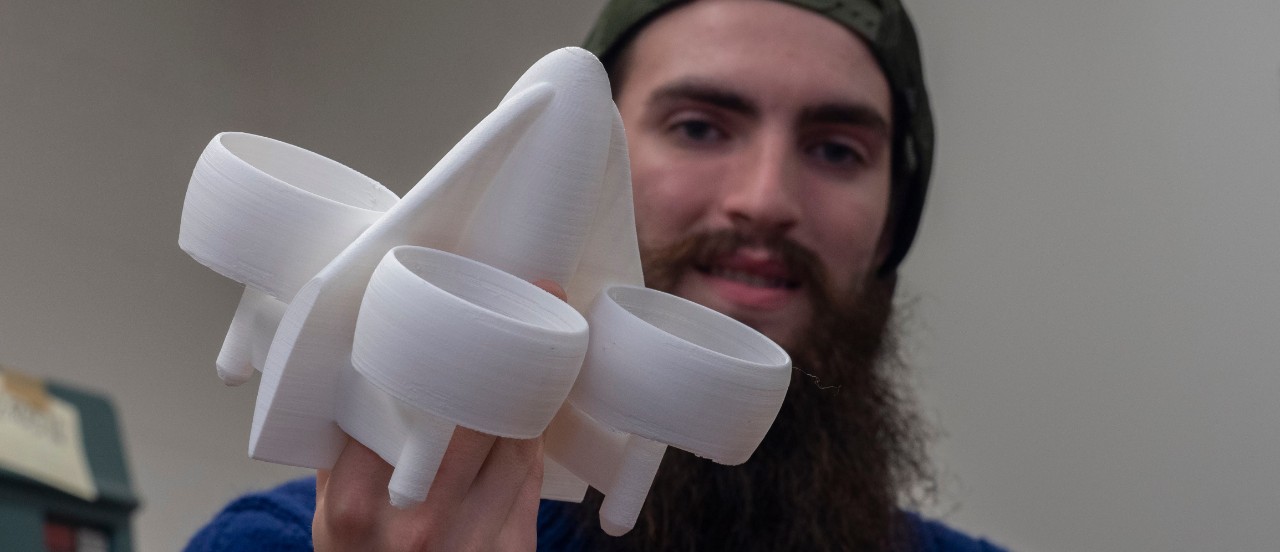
(753, 266)
(751, 278)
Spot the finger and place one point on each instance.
(521, 530)
(322, 481)
(318, 518)
(426, 525)
(493, 496)
(462, 461)
(351, 496)
(552, 288)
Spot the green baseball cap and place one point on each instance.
(886, 28)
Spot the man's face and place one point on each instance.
(770, 121)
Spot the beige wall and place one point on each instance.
(1095, 313)
(104, 108)
(1098, 309)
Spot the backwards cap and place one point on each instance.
(887, 30)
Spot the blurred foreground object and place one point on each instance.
(64, 484)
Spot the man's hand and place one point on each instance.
(484, 496)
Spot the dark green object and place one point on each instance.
(887, 30)
(27, 505)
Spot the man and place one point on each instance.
(780, 152)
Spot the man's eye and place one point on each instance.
(836, 153)
(697, 131)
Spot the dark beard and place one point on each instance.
(845, 448)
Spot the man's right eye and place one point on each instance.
(697, 131)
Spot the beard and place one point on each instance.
(843, 453)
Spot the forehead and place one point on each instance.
(780, 55)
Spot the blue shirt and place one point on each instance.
(279, 520)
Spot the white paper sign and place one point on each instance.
(44, 443)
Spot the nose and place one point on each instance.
(761, 199)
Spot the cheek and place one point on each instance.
(669, 202)
(849, 234)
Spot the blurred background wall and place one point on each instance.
(1092, 305)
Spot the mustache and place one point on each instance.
(664, 266)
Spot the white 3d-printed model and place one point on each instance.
(396, 320)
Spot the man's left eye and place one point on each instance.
(836, 153)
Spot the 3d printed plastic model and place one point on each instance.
(396, 320)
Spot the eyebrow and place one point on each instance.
(705, 93)
(854, 114)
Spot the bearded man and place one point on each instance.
(780, 152)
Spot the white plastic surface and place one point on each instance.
(474, 346)
(394, 321)
(661, 370)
